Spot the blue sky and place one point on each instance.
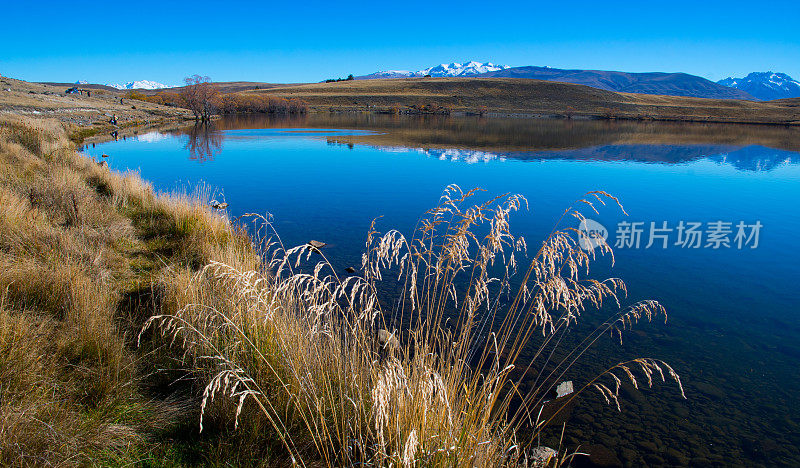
(310, 41)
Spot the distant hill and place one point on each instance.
(142, 85)
(667, 84)
(526, 97)
(81, 84)
(765, 85)
(225, 87)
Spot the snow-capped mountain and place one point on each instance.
(765, 85)
(446, 69)
(81, 82)
(143, 84)
(462, 69)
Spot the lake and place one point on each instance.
(719, 203)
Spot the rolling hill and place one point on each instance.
(667, 84)
(528, 97)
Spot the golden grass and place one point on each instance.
(290, 350)
(74, 239)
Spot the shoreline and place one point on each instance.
(578, 118)
(102, 135)
(485, 98)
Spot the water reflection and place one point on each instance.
(472, 139)
(204, 141)
(757, 158)
(752, 158)
(510, 134)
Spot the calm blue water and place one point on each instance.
(734, 327)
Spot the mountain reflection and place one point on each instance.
(757, 158)
(474, 140)
(752, 158)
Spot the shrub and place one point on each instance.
(256, 103)
(164, 98)
(350, 77)
(134, 94)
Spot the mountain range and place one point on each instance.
(765, 85)
(142, 84)
(470, 68)
(756, 86)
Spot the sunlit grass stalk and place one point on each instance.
(301, 342)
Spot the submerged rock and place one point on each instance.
(709, 390)
(557, 411)
(542, 456)
(596, 456)
(316, 245)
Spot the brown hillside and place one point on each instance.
(92, 113)
(532, 98)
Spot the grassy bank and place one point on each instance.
(78, 245)
(146, 329)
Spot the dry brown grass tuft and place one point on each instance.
(75, 239)
(64, 358)
(294, 347)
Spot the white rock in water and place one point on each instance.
(541, 456)
(564, 389)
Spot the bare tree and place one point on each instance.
(200, 95)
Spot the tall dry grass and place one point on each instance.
(63, 356)
(290, 350)
(75, 240)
